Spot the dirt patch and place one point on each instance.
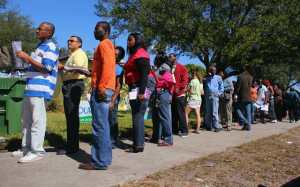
(272, 161)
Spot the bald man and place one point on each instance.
(40, 86)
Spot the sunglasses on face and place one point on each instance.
(71, 41)
(41, 29)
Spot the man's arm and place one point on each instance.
(116, 92)
(94, 81)
(238, 86)
(221, 86)
(143, 67)
(36, 65)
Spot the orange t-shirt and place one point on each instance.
(103, 70)
(253, 94)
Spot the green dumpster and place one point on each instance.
(11, 98)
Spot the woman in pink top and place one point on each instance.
(161, 115)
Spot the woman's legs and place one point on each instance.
(198, 119)
(187, 113)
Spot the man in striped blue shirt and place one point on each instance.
(40, 86)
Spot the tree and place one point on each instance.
(206, 29)
(2, 4)
(227, 32)
(16, 27)
(193, 67)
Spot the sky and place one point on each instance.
(70, 17)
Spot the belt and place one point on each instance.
(72, 81)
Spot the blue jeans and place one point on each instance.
(161, 117)
(272, 109)
(138, 109)
(101, 145)
(253, 110)
(244, 113)
(212, 112)
(113, 122)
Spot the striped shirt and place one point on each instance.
(40, 84)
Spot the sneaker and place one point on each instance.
(248, 128)
(30, 157)
(18, 153)
(274, 121)
(164, 144)
(183, 135)
(218, 129)
(197, 131)
(228, 128)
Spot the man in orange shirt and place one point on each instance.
(103, 86)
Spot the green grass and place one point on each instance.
(57, 132)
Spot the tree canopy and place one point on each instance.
(227, 32)
(14, 26)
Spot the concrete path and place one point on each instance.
(62, 171)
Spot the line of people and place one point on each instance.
(167, 89)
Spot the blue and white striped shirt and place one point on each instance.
(40, 84)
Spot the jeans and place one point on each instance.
(272, 109)
(138, 109)
(244, 113)
(72, 91)
(161, 117)
(113, 122)
(178, 115)
(253, 110)
(33, 124)
(101, 150)
(212, 112)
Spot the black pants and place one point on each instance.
(293, 113)
(72, 91)
(178, 115)
(279, 109)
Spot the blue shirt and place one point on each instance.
(213, 85)
(40, 84)
(228, 84)
(119, 70)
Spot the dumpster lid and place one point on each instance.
(8, 83)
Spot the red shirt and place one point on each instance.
(182, 80)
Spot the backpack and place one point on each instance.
(6, 58)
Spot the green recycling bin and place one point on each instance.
(11, 98)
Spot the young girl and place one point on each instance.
(195, 90)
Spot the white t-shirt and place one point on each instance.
(261, 95)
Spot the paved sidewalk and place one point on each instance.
(62, 171)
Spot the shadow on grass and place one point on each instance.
(57, 143)
(125, 134)
(13, 144)
(55, 140)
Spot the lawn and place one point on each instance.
(56, 130)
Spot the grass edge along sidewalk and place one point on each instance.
(270, 161)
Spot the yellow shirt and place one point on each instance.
(78, 59)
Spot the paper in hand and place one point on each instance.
(80, 70)
(17, 46)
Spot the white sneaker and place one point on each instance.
(18, 153)
(274, 121)
(30, 157)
